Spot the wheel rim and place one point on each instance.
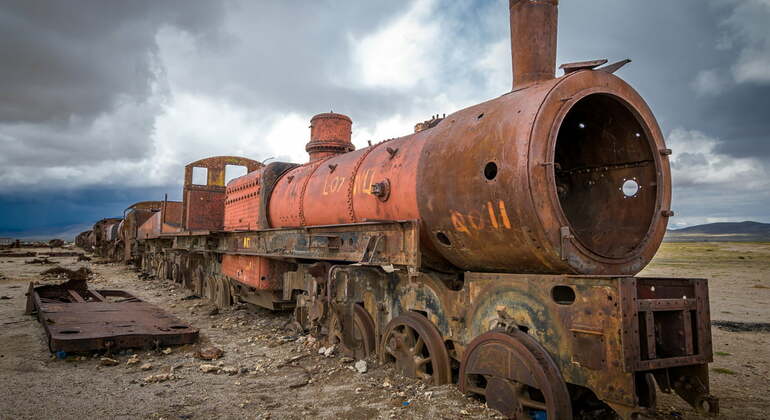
(175, 273)
(161, 273)
(222, 295)
(210, 288)
(363, 334)
(197, 282)
(515, 375)
(415, 345)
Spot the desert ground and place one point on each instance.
(267, 371)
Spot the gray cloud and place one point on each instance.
(64, 59)
(126, 93)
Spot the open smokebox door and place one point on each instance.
(79, 319)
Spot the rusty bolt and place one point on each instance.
(665, 152)
(381, 190)
(666, 213)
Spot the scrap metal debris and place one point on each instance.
(81, 274)
(77, 318)
(42, 261)
(736, 326)
(17, 254)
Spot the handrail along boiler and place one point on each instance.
(495, 248)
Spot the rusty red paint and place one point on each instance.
(204, 205)
(329, 136)
(77, 318)
(468, 234)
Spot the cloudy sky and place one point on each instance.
(103, 103)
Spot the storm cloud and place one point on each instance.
(120, 95)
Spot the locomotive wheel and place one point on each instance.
(175, 274)
(363, 334)
(161, 273)
(198, 280)
(516, 376)
(416, 346)
(220, 291)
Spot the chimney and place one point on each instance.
(533, 40)
(329, 135)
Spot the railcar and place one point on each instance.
(496, 247)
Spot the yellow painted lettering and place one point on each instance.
(492, 217)
(458, 221)
(504, 215)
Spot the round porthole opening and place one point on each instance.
(490, 170)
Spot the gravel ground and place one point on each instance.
(267, 371)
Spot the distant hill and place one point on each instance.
(721, 232)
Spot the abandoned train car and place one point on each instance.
(495, 248)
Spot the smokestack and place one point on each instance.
(329, 135)
(533, 40)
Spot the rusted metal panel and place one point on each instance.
(257, 272)
(387, 243)
(582, 65)
(242, 203)
(135, 216)
(533, 40)
(203, 205)
(329, 135)
(167, 220)
(204, 209)
(77, 318)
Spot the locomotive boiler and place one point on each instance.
(495, 247)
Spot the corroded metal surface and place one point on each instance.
(533, 40)
(135, 216)
(77, 318)
(453, 251)
(540, 191)
(372, 243)
(203, 205)
(414, 344)
(515, 375)
(329, 135)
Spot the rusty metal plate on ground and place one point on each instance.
(77, 318)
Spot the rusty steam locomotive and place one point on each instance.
(494, 248)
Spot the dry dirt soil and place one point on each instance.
(269, 372)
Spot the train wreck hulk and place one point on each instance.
(495, 248)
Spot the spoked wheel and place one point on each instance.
(416, 346)
(198, 282)
(516, 376)
(363, 334)
(221, 292)
(162, 269)
(175, 273)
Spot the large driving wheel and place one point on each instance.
(516, 376)
(416, 347)
(363, 334)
